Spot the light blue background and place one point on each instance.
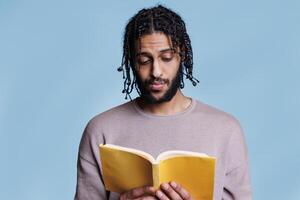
(58, 62)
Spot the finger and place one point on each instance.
(169, 191)
(146, 198)
(139, 192)
(161, 196)
(184, 194)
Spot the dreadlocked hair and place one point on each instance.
(147, 21)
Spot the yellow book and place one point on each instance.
(126, 168)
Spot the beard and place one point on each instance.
(146, 95)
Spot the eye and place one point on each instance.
(143, 60)
(167, 57)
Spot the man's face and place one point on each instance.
(157, 68)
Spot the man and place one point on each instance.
(157, 56)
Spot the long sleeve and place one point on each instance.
(237, 178)
(210, 131)
(89, 180)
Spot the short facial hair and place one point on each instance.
(168, 95)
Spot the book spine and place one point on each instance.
(155, 175)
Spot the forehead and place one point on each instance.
(154, 42)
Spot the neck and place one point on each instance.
(177, 104)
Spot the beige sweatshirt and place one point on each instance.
(199, 128)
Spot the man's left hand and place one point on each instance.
(172, 191)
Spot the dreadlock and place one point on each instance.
(147, 21)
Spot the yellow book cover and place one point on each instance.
(126, 168)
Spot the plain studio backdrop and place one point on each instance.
(58, 68)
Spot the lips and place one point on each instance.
(156, 85)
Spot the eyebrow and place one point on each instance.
(161, 51)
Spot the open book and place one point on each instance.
(126, 168)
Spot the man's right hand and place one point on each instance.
(142, 193)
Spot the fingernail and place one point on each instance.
(165, 186)
(159, 193)
(151, 188)
(173, 184)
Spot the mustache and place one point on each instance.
(156, 80)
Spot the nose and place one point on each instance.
(156, 69)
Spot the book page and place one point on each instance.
(196, 174)
(124, 170)
(175, 153)
(131, 150)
